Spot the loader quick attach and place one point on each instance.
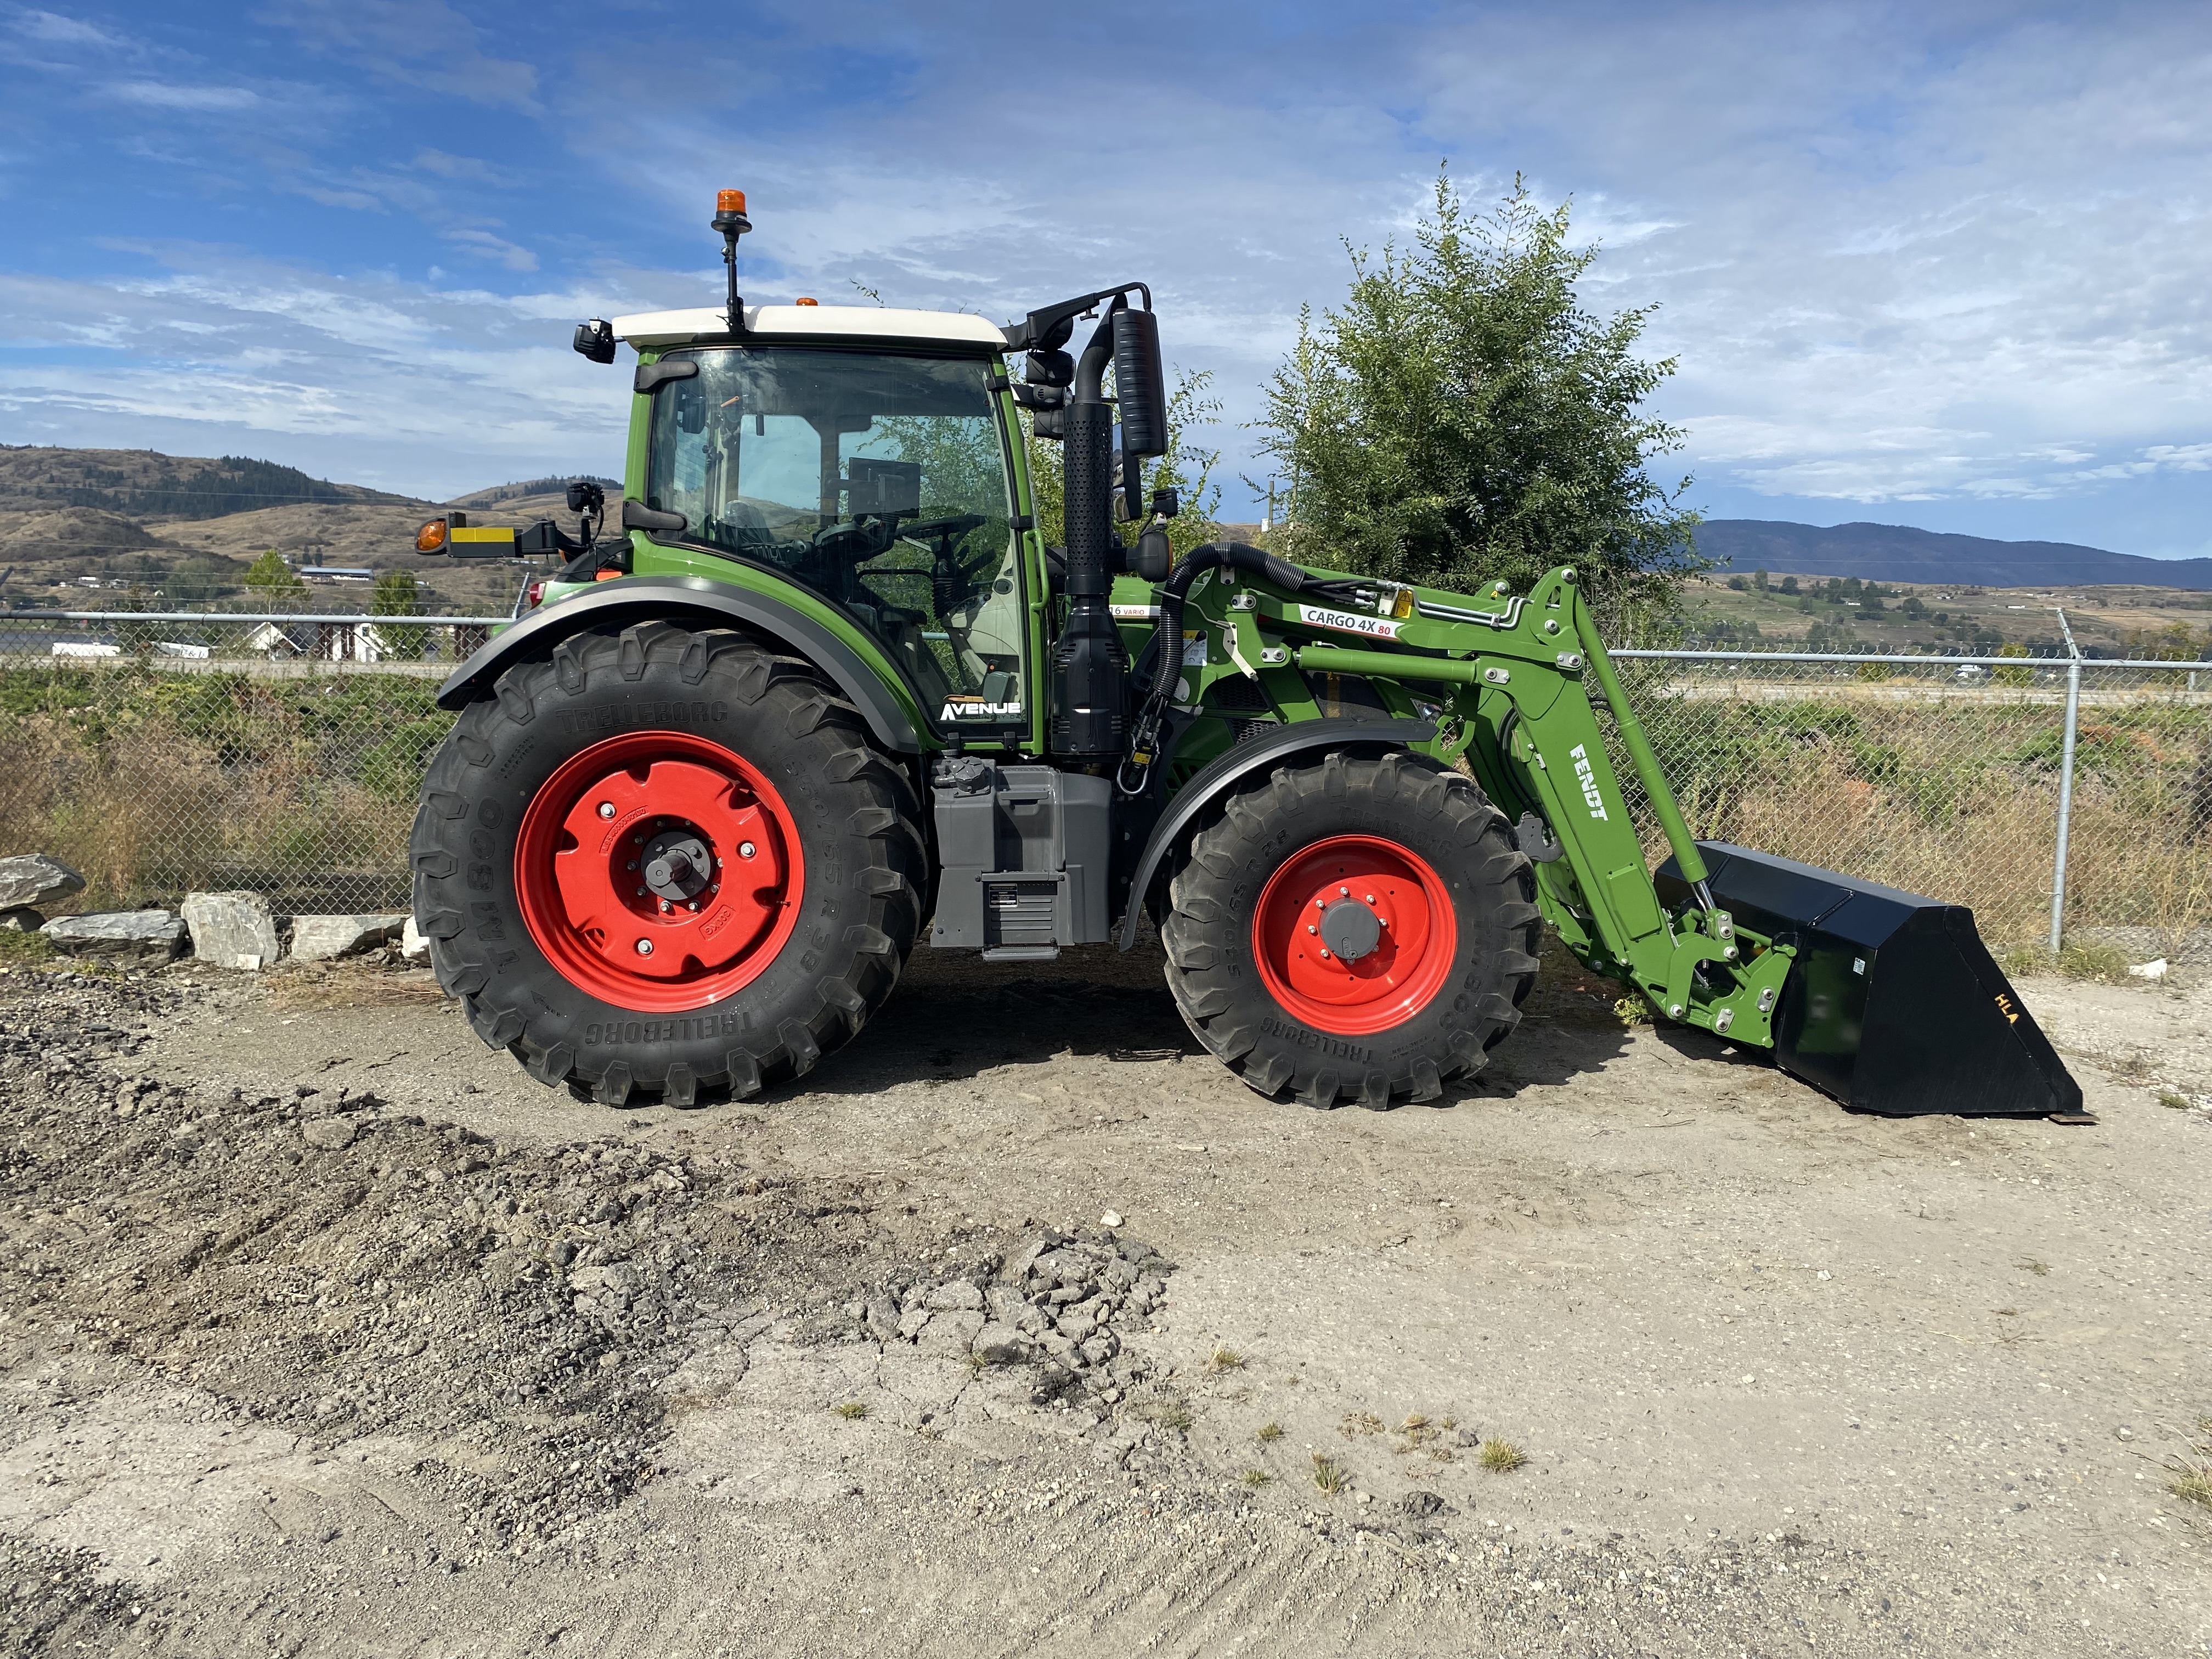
(828, 693)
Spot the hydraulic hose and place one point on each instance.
(1166, 653)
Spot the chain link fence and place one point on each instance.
(1958, 778)
(159, 753)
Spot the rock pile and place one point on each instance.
(1061, 1303)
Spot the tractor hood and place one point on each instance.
(652, 330)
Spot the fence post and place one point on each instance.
(2065, 785)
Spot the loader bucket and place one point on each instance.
(1895, 1005)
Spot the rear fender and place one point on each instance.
(695, 601)
(1224, 772)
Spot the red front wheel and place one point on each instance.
(1359, 928)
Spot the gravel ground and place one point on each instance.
(1021, 1327)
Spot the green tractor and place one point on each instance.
(830, 694)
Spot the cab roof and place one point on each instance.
(652, 330)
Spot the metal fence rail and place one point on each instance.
(282, 752)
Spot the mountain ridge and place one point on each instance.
(1899, 553)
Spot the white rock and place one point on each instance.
(232, 930)
(1111, 1218)
(2149, 970)
(32, 878)
(413, 947)
(130, 935)
(319, 937)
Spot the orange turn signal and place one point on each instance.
(729, 200)
(431, 538)
(806, 302)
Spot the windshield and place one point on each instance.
(879, 481)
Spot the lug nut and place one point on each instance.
(632, 865)
(1370, 898)
(1310, 928)
(640, 891)
(607, 809)
(1324, 953)
(695, 904)
(1344, 892)
(645, 947)
(664, 907)
(746, 849)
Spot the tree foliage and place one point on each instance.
(1463, 417)
(270, 576)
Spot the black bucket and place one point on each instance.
(1895, 1005)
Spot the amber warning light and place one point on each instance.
(431, 538)
(729, 200)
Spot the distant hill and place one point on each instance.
(1896, 553)
(145, 485)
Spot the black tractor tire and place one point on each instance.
(1281, 823)
(851, 812)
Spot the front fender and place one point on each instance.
(691, 599)
(1225, 771)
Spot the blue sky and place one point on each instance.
(1947, 266)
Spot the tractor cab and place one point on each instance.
(861, 454)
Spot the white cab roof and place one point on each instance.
(651, 329)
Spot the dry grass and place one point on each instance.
(2190, 1471)
(1501, 1457)
(366, 982)
(851, 1410)
(1329, 1475)
(1224, 1359)
(1256, 1478)
(1269, 1433)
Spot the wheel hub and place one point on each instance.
(677, 865)
(658, 871)
(1354, 934)
(1350, 928)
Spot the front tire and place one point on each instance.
(1364, 928)
(666, 865)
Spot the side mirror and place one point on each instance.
(596, 340)
(586, 496)
(1139, 384)
(1050, 368)
(1154, 558)
(1166, 504)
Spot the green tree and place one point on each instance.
(397, 593)
(1759, 581)
(1463, 417)
(270, 579)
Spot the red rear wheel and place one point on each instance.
(1354, 935)
(659, 872)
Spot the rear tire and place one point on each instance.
(705, 742)
(1435, 897)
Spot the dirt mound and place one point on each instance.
(320, 1261)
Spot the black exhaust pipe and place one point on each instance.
(1089, 667)
(1893, 1004)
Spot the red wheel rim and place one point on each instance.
(711, 924)
(1414, 935)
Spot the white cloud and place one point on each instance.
(168, 95)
